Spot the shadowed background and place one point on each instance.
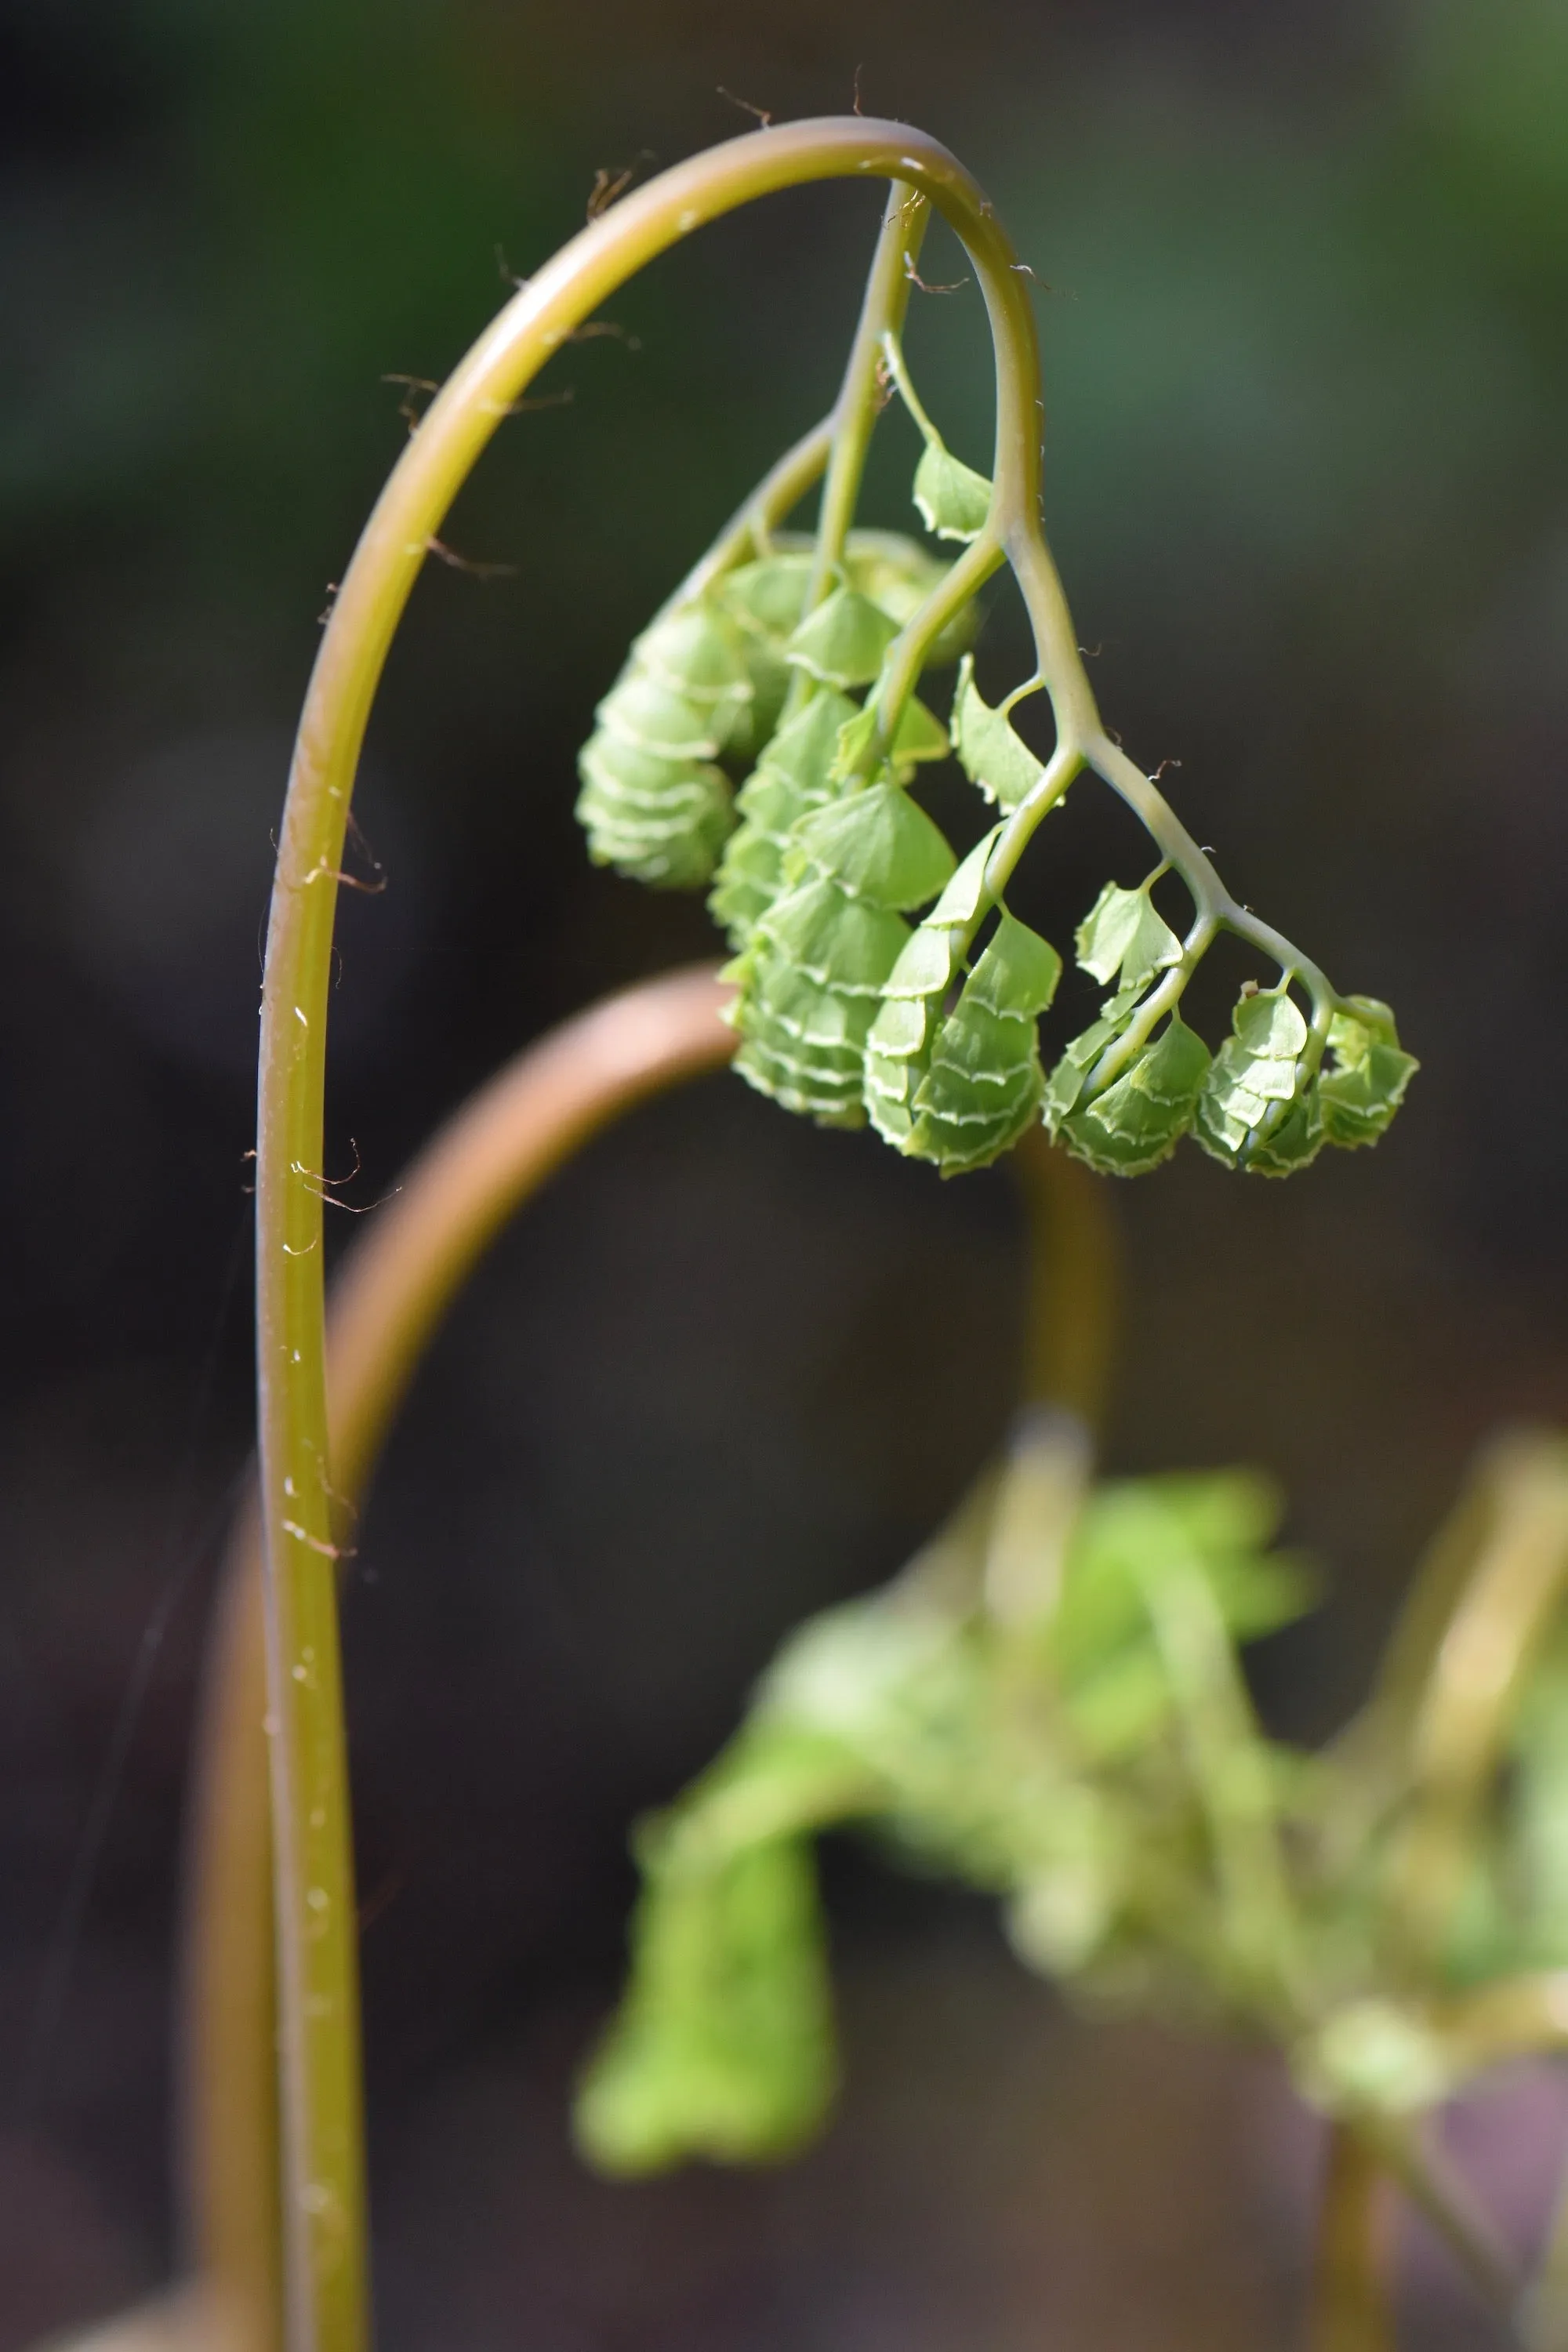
(1304, 301)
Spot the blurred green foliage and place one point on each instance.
(1050, 1705)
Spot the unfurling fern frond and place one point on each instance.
(1264, 1109)
(801, 663)
(1125, 1092)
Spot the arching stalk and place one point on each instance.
(322, 2165)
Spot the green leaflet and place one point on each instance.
(1253, 1072)
(1139, 1120)
(768, 597)
(643, 779)
(1019, 973)
(803, 750)
(1122, 932)
(808, 989)
(670, 846)
(965, 895)
(958, 1086)
(697, 651)
(954, 502)
(1359, 1095)
(877, 844)
(651, 716)
(808, 1019)
(989, 752)
(919, 735)
(723, 2047)
(826, 935)
(801, 1078)
(1295, 1142)
(952, 498)
(652, 802)
(812, 978)
(962, 1121)
(843, 641)
(794, 776)
(1070, 1076)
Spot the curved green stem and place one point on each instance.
(1013, 532)
(323, 2199)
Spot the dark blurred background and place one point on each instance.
(1305, 310)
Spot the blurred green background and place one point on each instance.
(1305, 312)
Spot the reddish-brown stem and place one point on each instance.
(1351, 2306)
